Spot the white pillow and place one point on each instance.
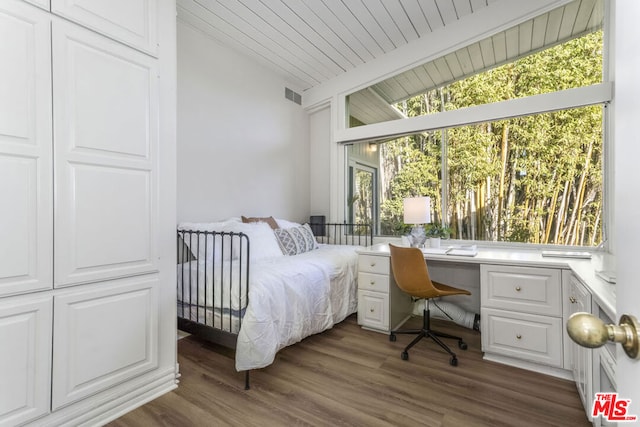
(202, 246)
(262, 241)
(283, 223)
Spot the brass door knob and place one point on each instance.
(591, 332)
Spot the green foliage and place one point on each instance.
(534, 179)
(435, 230)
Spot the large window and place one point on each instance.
(532, 178)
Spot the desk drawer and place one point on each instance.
(524, 336)
(522, 289)
(373, 282)
(373, 264)
(373, 310)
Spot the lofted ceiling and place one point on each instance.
(579, 17)
(309, 42)
(312, 41)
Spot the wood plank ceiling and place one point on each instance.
(311, 41)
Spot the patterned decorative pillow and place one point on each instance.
(296, 240)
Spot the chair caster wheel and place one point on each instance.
(392, 337)
(462, 345)
(453, 361)
(404, 355)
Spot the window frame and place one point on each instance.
(353, 166)
(601, 93)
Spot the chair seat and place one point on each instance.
(449, 290)
(438, 290)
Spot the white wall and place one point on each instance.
(320, 142)
(243, 148)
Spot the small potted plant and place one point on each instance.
(435, 232)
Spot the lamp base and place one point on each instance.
(417, 237)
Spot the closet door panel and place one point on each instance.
(105, 121)
(127, 214)
(45, 4)
(26, 211)
(133, 22)
(103, 336)
(25, 369)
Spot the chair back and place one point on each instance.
(410, 272)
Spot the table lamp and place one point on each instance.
(417, 211)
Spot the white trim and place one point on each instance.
(562, 100)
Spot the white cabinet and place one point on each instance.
(382, 306)
(521, 313)
(103, 336)
(25, 358)
(132, 22)
(26, 245)
(82, 336)
(106, 133)
(603, 368)
(578, 359)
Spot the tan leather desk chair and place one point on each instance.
(411, 275)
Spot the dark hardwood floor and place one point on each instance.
(351, 377)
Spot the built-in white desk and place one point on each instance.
(604, 293)
(524, 300)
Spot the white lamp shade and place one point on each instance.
(417, 210)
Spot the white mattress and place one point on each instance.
(290, 298)
(190, 274)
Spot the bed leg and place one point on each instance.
(246, 380)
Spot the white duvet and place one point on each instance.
(292, 297)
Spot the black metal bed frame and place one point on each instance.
(218, 246)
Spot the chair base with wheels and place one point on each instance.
(427, 332)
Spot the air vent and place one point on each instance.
(292, 96)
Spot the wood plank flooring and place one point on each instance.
(350, 377)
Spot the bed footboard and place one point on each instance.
(213, 285)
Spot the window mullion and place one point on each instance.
(444, 181)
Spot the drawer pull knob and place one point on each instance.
(572, 300)
(371, 310)
(518, 288)
(372, 282)
(373, 264)
(519, 336)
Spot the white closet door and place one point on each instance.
(45, 4)
(103, 336)
(26, 211)
(133, 22)
(25, 354)
(105, 139)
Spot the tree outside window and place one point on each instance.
(533, 179)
